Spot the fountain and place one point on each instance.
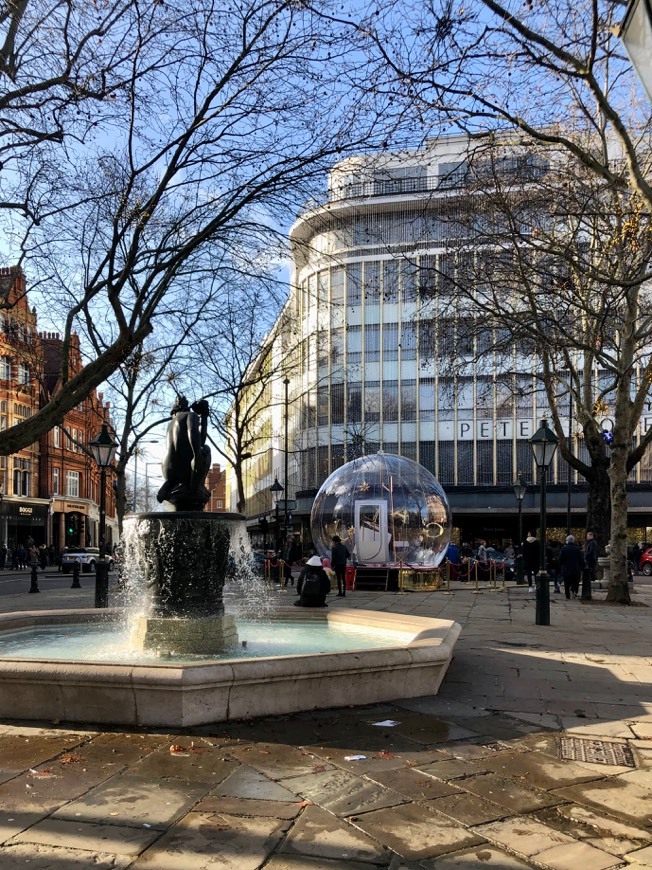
(181, 663)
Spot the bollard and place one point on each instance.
(476, 591)
(75, 576)
(102, 583)
(34, 584)
(448, 576)
(542, 614)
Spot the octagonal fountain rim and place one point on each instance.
(182, 695)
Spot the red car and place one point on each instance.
(645, 562)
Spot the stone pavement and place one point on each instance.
(537, 752)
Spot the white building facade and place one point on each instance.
(367, 338)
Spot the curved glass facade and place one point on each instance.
(381, 349)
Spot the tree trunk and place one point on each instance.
(242, 501)
(618, 591)
(598, 507)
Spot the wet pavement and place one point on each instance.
(537, 752)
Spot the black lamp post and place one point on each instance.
(276, 489)
(520, 488)
(103, 449)
(544, 444)
(286, 383)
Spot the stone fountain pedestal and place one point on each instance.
(183, 558)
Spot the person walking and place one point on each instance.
(292, 553)
(571, 562)
(313, 585)
(339, 556)
(552, 561)
(591, 554)
(530, 552)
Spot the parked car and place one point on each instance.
(645, 562)
(497, 556)
(86, 556)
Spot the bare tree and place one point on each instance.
(234, 370)
(144, 143)
(551, 74)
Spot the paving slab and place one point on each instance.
(480, 858)
(129, 800)
(277, 760)
(423, 728)
(320, 835)
(304, 862)
(603, 832)
(245, 782)
(525, 836)
(246, 807)
(570, 856)
(20, 752)
(344, 794)
(517, 797)
(192, 763)
(202, 842)
(641, 858)
(413, 784)
(613, 796)
(37, 857)
(416, 832)
(540, 770)
(468, 809)
(381, 754)
(13, 822)
(107, 838)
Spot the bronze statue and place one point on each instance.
(188, 459)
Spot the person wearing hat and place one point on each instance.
(571, 562)
(313, 585)
(339, 556)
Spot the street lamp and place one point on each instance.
(520, 488)
(543, 443)
(276, 489)
(636, 34)
(286, 383)
(103, 449)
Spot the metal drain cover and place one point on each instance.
(595, 751)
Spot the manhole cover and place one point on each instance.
(595, 751)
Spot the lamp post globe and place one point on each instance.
(544, 444)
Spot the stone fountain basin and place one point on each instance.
(178, 696)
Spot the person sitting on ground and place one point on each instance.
(313, 585)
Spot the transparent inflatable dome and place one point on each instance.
(388, 510)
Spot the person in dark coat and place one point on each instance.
(571, 562)
(591, 555)
(530, 551)
(313, 585)
(552, 562)
(339, 556)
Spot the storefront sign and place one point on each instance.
(25, 511)
(70, 506)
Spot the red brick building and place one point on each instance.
(69, 477)
(216, 484)
(23, 514)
